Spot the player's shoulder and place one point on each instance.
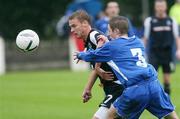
(93, 36)
(174, 22)
(136, 40)
(148, 19)
(171, 19)
(94, 33)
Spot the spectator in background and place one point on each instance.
(160, 35)
(112, 10)
(175, 12)
(87, 5)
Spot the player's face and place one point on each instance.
(76, 27)
(111, 33)
(112, 9)
(160, 7)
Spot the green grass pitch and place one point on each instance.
(56, 95)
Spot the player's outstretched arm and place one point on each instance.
(99, 55)
(87, 90)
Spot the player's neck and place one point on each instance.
(124, 36)
(87, 31)
(121, 36)
(161, 16)
(110, 17)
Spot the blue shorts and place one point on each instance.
(149, 95)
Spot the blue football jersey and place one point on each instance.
(126, 58)
(102, 25)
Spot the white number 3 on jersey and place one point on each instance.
(137, 52)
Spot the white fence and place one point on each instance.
(2, 56)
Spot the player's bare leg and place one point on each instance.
(172, 115)
(166, 78)
(101, 113)
(112, 113)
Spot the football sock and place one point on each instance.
(167, 88)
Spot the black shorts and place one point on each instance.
(112, 92)
(162, 57)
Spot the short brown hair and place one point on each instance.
(156, 1)
(160, 0)
(120, 23)
(81, 15)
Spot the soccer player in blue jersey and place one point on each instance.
(125, 55)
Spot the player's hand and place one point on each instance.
(101, 40)
(104, 74)
(178, 54)
(86, 96)
(75, 57)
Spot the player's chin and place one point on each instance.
(76, 35)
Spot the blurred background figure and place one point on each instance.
(160, 35)
(175, 12)
(112, 9)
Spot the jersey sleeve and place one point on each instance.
(147, 26)
(175, 29)
(94, 37)
(101, 54)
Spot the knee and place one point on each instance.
(94, 117)
(111, 115)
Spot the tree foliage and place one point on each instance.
(16, 15)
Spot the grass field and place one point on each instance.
(56, 95)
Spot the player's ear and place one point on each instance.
(116, 31)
